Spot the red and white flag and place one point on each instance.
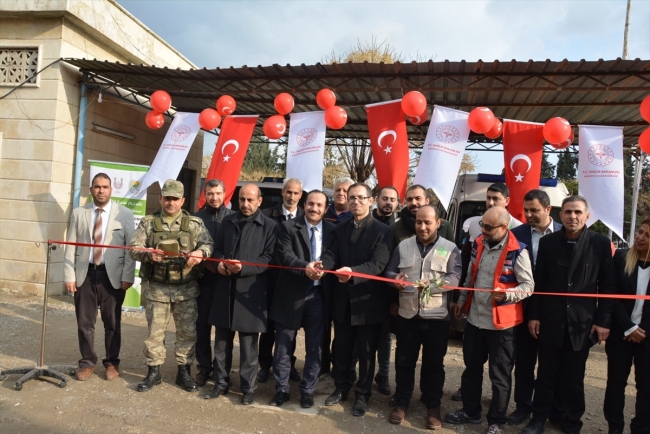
(523, 145)
(601, 174)
(306, 149)
(229, 153)
(389, 144)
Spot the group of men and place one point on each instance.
(275, 271)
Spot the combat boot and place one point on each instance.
(153, 378)
(184, 379)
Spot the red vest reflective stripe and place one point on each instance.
(504, 315)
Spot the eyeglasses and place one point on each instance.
(487, 227)
(357, 198)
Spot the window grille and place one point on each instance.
(18, 65)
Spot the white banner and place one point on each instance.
(442, 152)
(306, 149)
(600, 174)
(174, 149)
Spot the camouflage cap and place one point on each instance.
(172, 188)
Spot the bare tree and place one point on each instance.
(468, 164)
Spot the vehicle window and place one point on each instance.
(465, 211)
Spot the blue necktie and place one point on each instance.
(312, 242)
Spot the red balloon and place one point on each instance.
(495, 131)
(481, 120)
(275, 127)
(565, 144)
(645, 108)
(420, 119)
(644, 141)
(414, 103)
(209, 119)
(283, 103)
(325, 99)
(336, 117)
(160, 101)
(154, 120)
(226, 105)
(557, 130)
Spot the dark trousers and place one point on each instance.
(97, 291)
(365, 338)
(479, 346)
(620, 356)
(285, 339)
(248, 352)
(204, 359)
(432, 336)
(326, 353)
(525, 362)
(383, 350)
(570, 364)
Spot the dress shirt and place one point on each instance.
(286, 212)
(642, 280)
(535, 235)
(319, 241)
(105, 214)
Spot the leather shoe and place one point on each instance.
(294, 375)
(459, 416)
(535, 426)
(112, 372)
(263, 374)
(248, 398)
(307, 400)
(153, 378)
(279, 399)
(397, 415)
(82, 374)
(336, 397)
(383, 386)
(216, 391)
(201, 377)
(433, 420)
(360, 407)
(518, 417)
(457, 396)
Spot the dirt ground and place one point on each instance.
(99, 406)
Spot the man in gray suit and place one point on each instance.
(99, 277)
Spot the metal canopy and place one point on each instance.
(584, 92)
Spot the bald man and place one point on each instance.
(239, 303)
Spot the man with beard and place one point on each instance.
(416, 196)
(387, 202)
(212, 214)
(338, 211)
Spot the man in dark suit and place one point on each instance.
(288, 209)
(300, 298)
(212, 214)
(239, 303)
(573, 260)
(99, 277)
(359, 305)
(537, 210)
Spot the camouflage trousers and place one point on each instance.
(158, 314)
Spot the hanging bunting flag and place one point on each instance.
(306, 149)
(229, 153)
(442, 152)
(600, 174)
(523, 145)
(389, 144)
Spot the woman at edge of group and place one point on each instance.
(628, 342)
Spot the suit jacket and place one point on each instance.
(275, 213)
(589, 270)
(293, 249)
(211, 220)
(239, 302)
(621, 315)
(364, 299)
(119, 265)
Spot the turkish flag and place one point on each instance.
(389, 144)
(229, 153)
(523, 144)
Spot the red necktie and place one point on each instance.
(97, 237)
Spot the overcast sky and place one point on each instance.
(237, 33)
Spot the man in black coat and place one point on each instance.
(300, 298)
(239, 303)
(359, 305)
(288, 209)
(573, 260)
(212, 214)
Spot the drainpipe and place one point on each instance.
(79, 161)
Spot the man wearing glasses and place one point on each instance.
(359, 306)
(500, 267)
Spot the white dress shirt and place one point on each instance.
(286, 213)
(642, 280)
(105, 214)
(319, 241)
(535, 235)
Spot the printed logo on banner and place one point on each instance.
(134, 187)
(118, 184)
(306, 136)
(181, 133)
(600, 155)
(447, 133)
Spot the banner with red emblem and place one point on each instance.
(306, 149)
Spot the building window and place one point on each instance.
(17, 65)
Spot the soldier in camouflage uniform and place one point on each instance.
(169, 273)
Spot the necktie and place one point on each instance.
(290, 216)
(97, 237)
(312, 242)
